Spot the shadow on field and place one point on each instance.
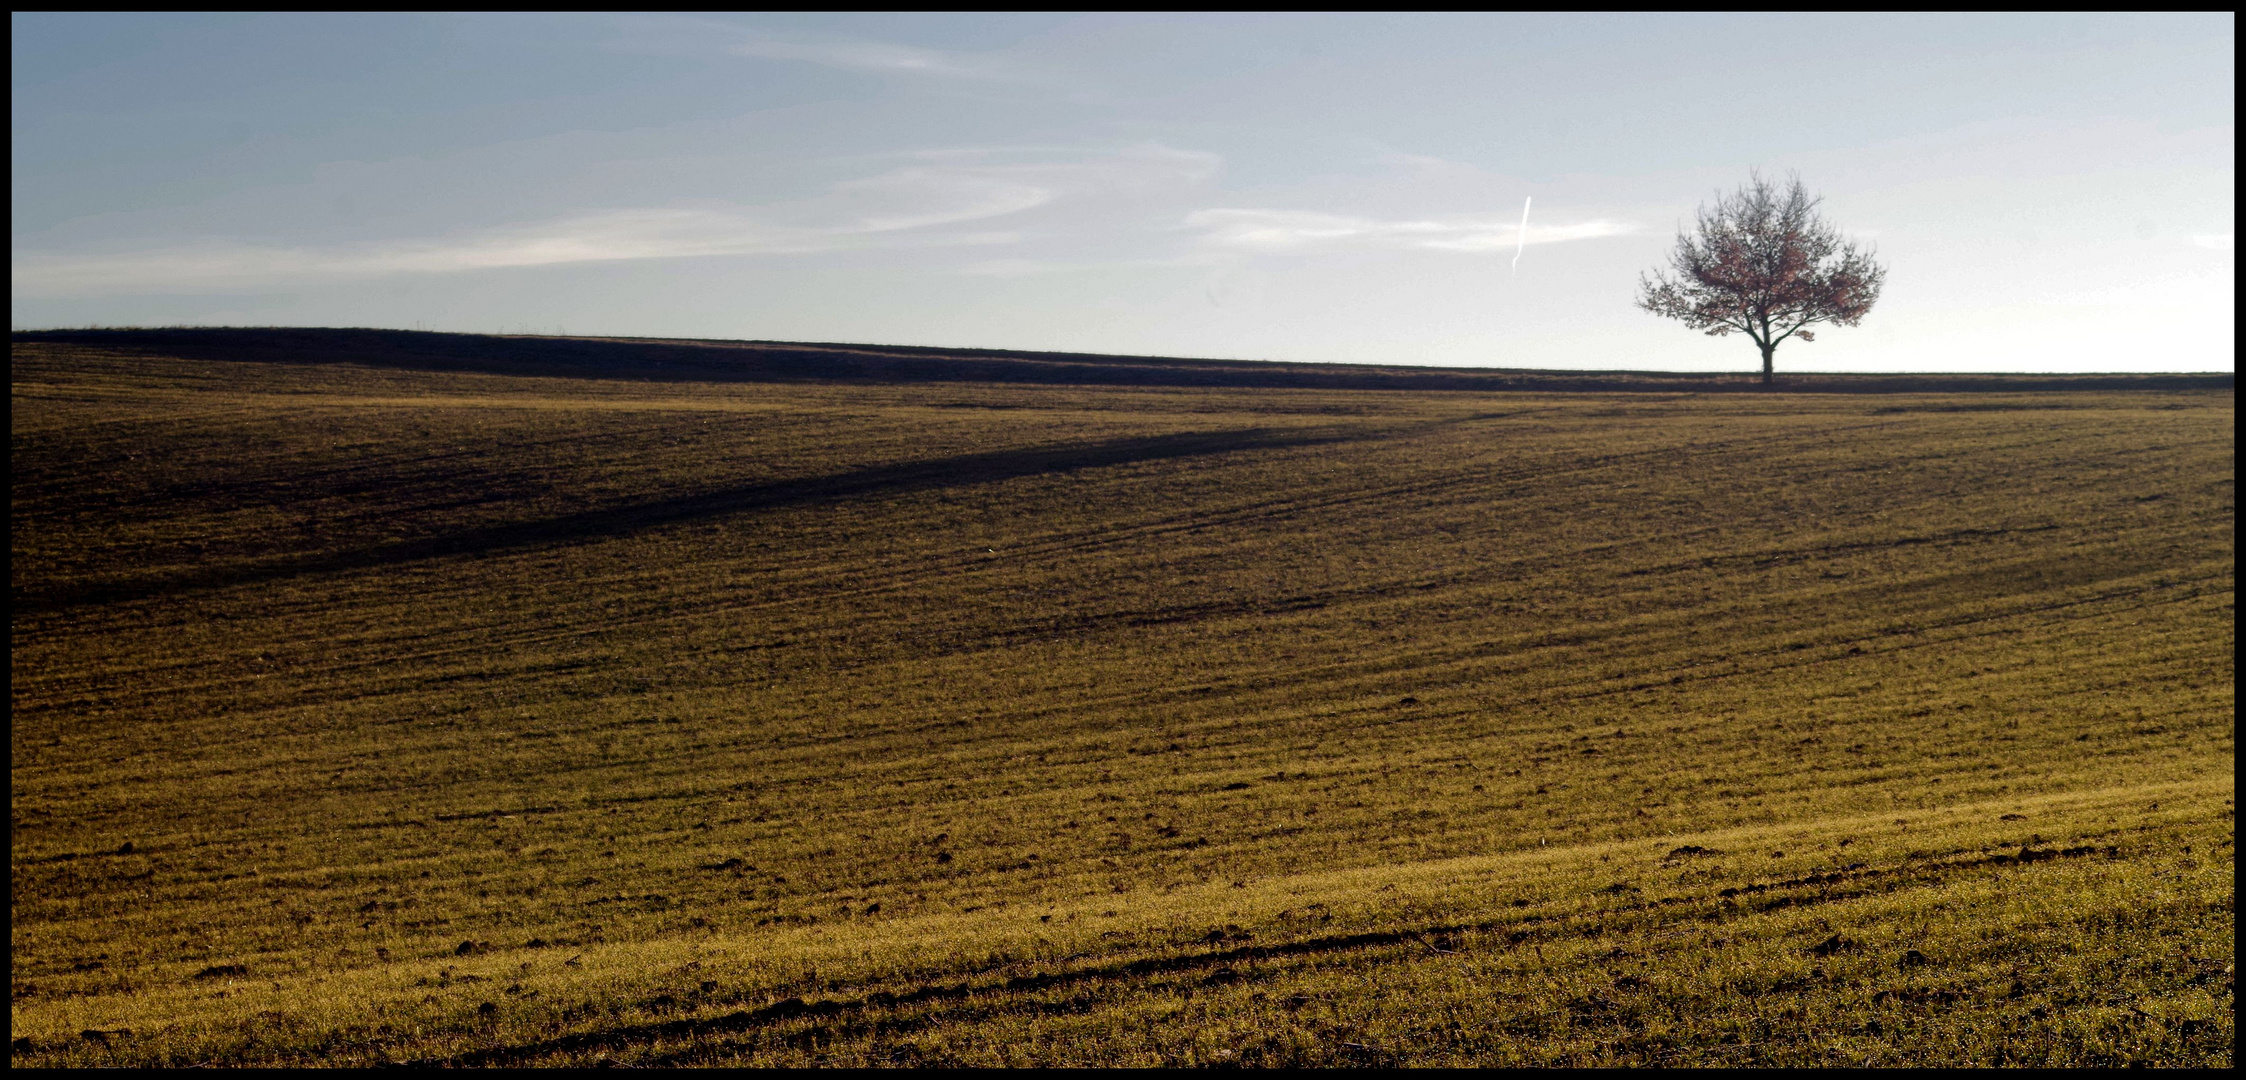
(617, 521)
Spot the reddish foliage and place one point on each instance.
(1763, 262)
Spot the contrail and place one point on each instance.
(1524, 240)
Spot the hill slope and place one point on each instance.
(365, 711)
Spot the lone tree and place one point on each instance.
(1764, 263)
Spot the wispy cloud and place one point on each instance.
(1302, 231)
(1010, 268)
(601, 236)
(875, 56)
(604, 236)
(918, 205)
(693, 35)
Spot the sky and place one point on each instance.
(2048, 193)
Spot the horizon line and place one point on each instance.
(1744, 370)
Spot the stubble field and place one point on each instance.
(368, 714)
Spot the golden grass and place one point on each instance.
(1110, 722)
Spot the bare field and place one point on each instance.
(367, 713)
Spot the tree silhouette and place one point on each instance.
(1764, 263)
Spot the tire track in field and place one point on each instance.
(818, 489)
(964, 562)
(482, 643)
(967, 560)
(1527, 653)
(1712, 906)
(485, 644)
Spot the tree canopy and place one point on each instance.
(1764, 263)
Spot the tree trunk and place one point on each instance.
(1766, 351)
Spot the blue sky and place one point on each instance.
(2050, 193)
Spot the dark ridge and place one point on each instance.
(662, 360)
(955, 471)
